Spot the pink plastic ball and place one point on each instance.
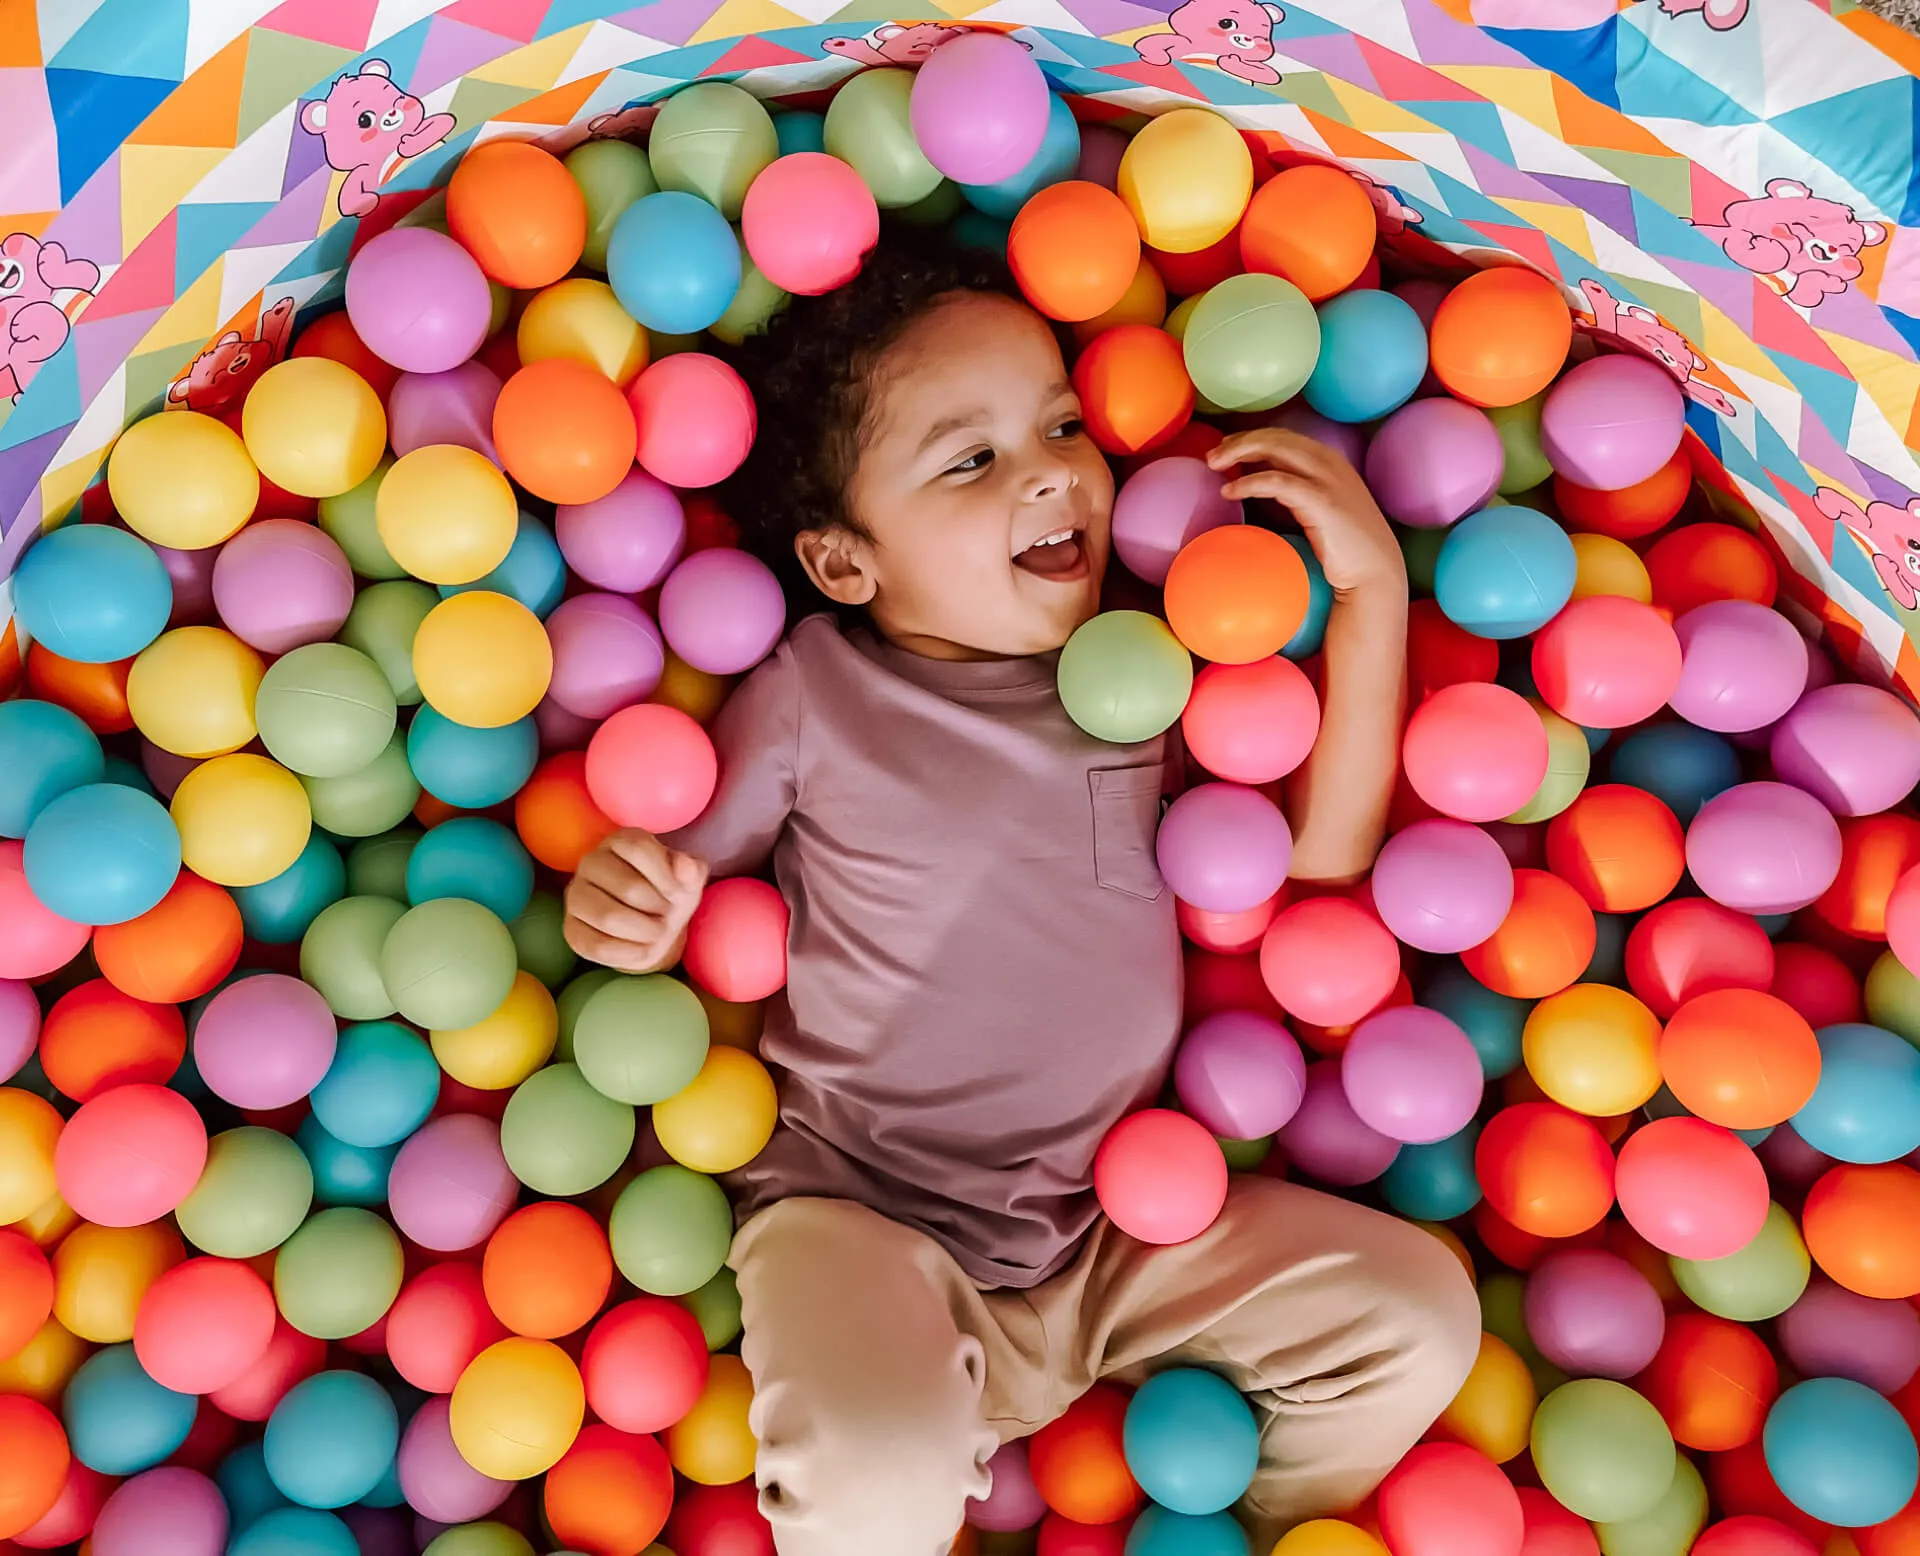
(626, 541)
(1856, 749)
(1161, 507)
(450, 1185)
(34, 941)
(435, 1480)
(164, 1512)
(1224, 847)
(1611, 422)
(559, 729)
(74, 1512)
(1251, 723)
(279, 584)
(438, 1324)
(651, 767)
(19, 1025)
(1742, 666)
(979, 107)
(644, 1365)
(452, 407)
(203, 1324)
(737, 940)
(1327, 1140)
(1230, 934)
(1241, 1074)
(1328, 961)
(1763, 848)
(130, 1155)
(1835, 1333)
(264, 1042)
(1442, 885)
(1691, 1188)
(418, 299)
(1347, 439)
(722, 610)
(1434, 461)
(808, 223)
(191, 573)
(1160, 1177)
(1015, 1502)
(1751, 1534)
(607, 654)
(696, 419)
(1475, 751)
(289, 1357)
(1101, 148)
(1593, 1314)
(1412, 1075)
(1606, 662)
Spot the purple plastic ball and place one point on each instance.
(1241, 1074)
(1763, 848)
(19, 1026)
(722, 611)
(418, 299)
(1224, 847)
(435, 1480)
(1014, 1503)
(1792, 1165)
(1835, 1333)
(1742, 665)
(192, 575)
(264, 1042)
(163, 1512)
(1434, 461)
(1855, 749)
(1442, 885)
(1347, 439)
(379, 1531)
(607, 654)
(1593, 1314)
(280, 584)
(561, 730)
(1327, 1140)
(979, 107)
(455, 406)
(450, 1185)
(1612, 422)
(1412, 1075)
(164, 770)
(1161, 507)
(626, 541)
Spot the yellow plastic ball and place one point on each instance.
(517, 1408)
(1593, 1048)
(482, 659)
(694, 692)
(243, 819)
(191, 691)
(712, 1445)
(738, 1025)
(314, 426)
(1187, 177)
(1450, 1239)
(722, 1119)
(40, 1369)
(1143, 302)
(1328, 1537)
(100, 1273)
(582, 321)
(1603, 565)
(48, 1223)
(29, 1130)
(446, 514)
(1493, 1411)
(509, 1045)
(182, 479)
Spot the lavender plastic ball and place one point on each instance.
(1224, 848)
(1327, 1140)
(722, 611)
(1412, 1075)
(450, 1185)
(1442, 885)
(1763, 848)
(280, 584)
(1835, 1333)
(1434, 461)
(163, 1512)
(1162, 507)
(1742, 665)
(607, 654)
(1015, 1502)
(451, 407)
(1593, 1314)
(1241, 1074)
(1612, 422)
(1855, 749)
(418, 300)
(435, 1480)
(626, 541)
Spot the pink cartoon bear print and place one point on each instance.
(1643, 331)
(223, 373)
(1237, 35)
(1892, 534)
(39, 290)
(1720, 15)
(369, 126)
(894, 44)
(1394, 217)
(1813, 245)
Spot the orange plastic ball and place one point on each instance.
(1859, 1224)
(1074, 249)
(1740, 1058)
(547, 1270)
(1500, 336)
(1543, 944)
(1619, 847)
(178, 949)
(1545, 1169)
(97, 693)
(1236, 594)
(564, 430)
(33, 1469)
(1632, 512)
(555, 815)
(1133, 388)
(333, 335)
(26, 1291)
(1079, 1464)
(517, 210)
(610, 1493)
(96, 1037)
(1875, 851)
(1712, 1381)
(1312, 225)
(1439, 653)
(1702, 562)
(1694, 946)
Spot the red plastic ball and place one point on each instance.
(1875, 853)
(1816, 983)
(1693, 1189)
(652, 767)
(96, 1037)
(610, 1493)
(1329, 961)
(1230, 934)
(1079, 1462)
(737, 940)
(1702, 562)
(74, 1512)
(1441, 653)
(438, 1324)
(719, 1521)
(1552, 1530)
(1632, 512)
(1160, 1177)
(203, 1324)
(1751, 1535)
(289, 1357)
(1694, 946)
(1606, 662)
(1063, 1537)
(645, 1365)
(1446, 1499)
(1133, 387)
(1712, 1380)
(33, 1470)
(1741, 1483)
(1249, 723)
(1545, 1169)
(26, 1291)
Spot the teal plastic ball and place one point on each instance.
(1434, 1182)
(1841, 1452)
(381, 1086)
(475, 858)
(534, 573)
(1191, 1441)
(44, 751)
(331, 1439)
(118, 1420)
(471, 769)
(1373, 354)
(281, 910)
(344, 1174)
(1504, 572)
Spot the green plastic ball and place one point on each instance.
(348, 518)
(612, 175)
(671, 1228)
(338, 1274)
(936, 209)
(641, 1040)
(1762, 1280)
(1602, 1450)
(1251, 342)
(561, 1137)
(712, 139)
(572, 1000)
(384, 618)
(377, 866)
(482, 1539)
(340, 956)
(1893, 998)
(757, 301)
(1124, 677)
(448, 964)
(253, 1194)
(716, 1309)
(324, 710)
(370, 800)
(1669, 1527)
(1519, 429)
(1569, 761)
(868, 128)
(1421, 550)
(1245, 1155)
(540, 940)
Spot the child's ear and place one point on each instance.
(840, 564)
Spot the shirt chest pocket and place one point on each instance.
(1126, 814)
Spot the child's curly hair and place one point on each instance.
(810, 374)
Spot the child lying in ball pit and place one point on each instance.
(984, 967)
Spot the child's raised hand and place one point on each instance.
(629, 902)
(1349, 534)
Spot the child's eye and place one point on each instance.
(1072, 427)
(972, 463)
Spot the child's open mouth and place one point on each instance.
(1055, 555)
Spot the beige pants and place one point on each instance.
(884, 1379)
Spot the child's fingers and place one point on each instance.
(603, 911)
(621, 955)
(646, 857)
(1281, 486)
(613, 877)
(1271, 445)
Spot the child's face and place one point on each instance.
(988, 504)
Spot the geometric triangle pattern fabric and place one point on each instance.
(171, 164)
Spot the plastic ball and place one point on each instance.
(1712, 1380)
(418, 300)
(1313, 225)
(1433, 462)
(295, 1531)
(1074, 250)
(1191, 1441)
(1743, 666)
(1251, 723)
(547, 1271)
(1699, 563)
(564, 432)
(313, 426)
(450, 1185)
(1160, 1177)
(1475, 751)
(338, 1274)
(979, 111)
(517, 1408)
(242, 819)
(1434, 1182)
(1124, 677)
(1133, 390)
(118, 1420)
(1504, 572)
(1817, 985)
(98, 854)
(868, 126)
(1186, 178)
(331, 1439)
(1741, 1058)
(1761, 1280)
(264, 1042)
(436, 1482)
(514, 207)
(695, 417)
(438, 1323)
(1240, 1074)
(1545, 1169)
(645, 1365)
(1833, 1332)
(1412, 1075)
(673, 262)
(1593, 1314)
(1632, 512)
(203, 1324)
(130, 1155)
(1327, 1139)
(183, 480)
(1224, 847)
(325, 710)
(626, 541)
(383, 624)
(29, 1133)
(579, 320)
(251, 1197)
(26, 1294)
(1328, 961)
(344, 1174)
(1055, 160)
(1079, 1461)
(475, 858)
(722, 611)
(1236, 595)
(1612, 421)
(1763, 848)
(1857, 1227)
(1252, 343)
(1691, 1188)
(1594, 1049)
(1602, 1451)
(90, 593)
(712, 1444)
(1619, 847)
(1840, 1452)
(1373, 352)
(1607, 661)
(1015, 1502)
(723, 1118)
(48, 751)
(1690, 947)
(95, 1038)
(1500, 336)
(1863, 1108)
(472, 769)
(1854, 748)
(424, 410)
(192, 691)
(38, 1463)
(289, 1357)
(446, 514)
(102, 1273)
(169, 1511)
(1162, 507)
(737, 940)
(1609, 567)
(482, 659)
(1446, 1499)
(1753, 1535)
(1442, 885)
(808, 222)
(611, 1491)
(611, 174)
